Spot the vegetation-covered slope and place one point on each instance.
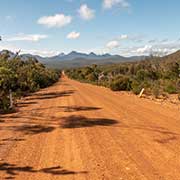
(159, 76)
(22, 77)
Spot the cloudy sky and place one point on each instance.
(125, 27)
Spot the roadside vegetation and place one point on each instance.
(159, 76)
(22, 77)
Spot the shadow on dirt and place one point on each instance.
(33, 99)
(68, 108)
(160, 130)
(25, 104)
(38, 113)
(78, 108)
(166, 140)
(12, 139)
(33, 129)
(50, 95)
(83, 122)
(65, 84)
(6, 141)
(12, 111)
(167, 136)
(12, 170)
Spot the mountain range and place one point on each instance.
(77, 59)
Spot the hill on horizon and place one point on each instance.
(77, 59)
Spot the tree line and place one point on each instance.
(22, 77)
(159, 76)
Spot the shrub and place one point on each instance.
(91, 77)
(157, 75)
(170, 88)
(178, 85)
(156, 91)
(141, 75)
(121, 84)
(136, 87)
(22, 77)
(4, 103)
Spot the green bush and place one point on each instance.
(121, 84)
(141, 75)
(4, 103)
(22, 77)
(156, 91)
(91, 77)
(158, 75)
(170, 88)
(178, 85)
(136, 87)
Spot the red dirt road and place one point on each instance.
(79, 131)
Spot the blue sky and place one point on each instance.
(125, 27)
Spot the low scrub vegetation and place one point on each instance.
(22, 77)
(159, 76)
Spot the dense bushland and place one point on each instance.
(22, 77)
(159, 76)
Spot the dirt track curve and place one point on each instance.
(79, 131)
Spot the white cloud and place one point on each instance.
(123, 36)
(86, 13)
(73, 35)
(27, 37)
(8, 47)
(112, 44)
(42, 53)
(8, 18)
(131, 38)
(58, 20)
(144, 50)
(157, 49)
(108, 4)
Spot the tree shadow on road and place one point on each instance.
(6, 141)
(67, 109)
(50, 95)
(34, 99)
(25, 104)
(13, 170)
(12, 139)
(166, 140)
(167, 136)
(84, 122)
(26, 129)
(38, 113)
(160, 130)
(78, 108)
(33, 129)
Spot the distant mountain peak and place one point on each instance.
(107, 54)
(61, 54)
(92, 53)
(73, 52)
